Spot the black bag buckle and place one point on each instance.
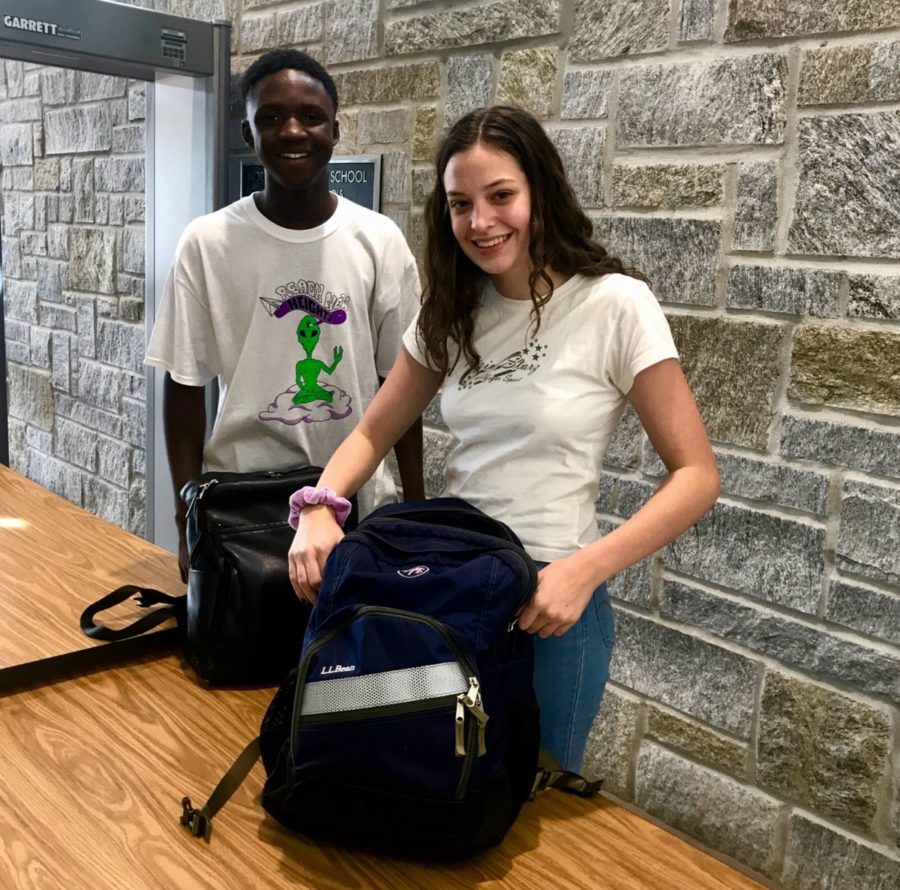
(197, 821)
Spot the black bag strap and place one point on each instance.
(551, 775)
(174, 607)
(199, 820)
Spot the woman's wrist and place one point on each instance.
(310, 496)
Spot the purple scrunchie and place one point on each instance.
(310, 495)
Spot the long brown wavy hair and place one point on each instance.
(560, 235)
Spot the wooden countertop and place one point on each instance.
(55, 559)
(95, 765)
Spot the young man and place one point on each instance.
(294, 298)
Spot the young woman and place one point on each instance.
(537, 338)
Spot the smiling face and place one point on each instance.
(291, 126)
(490, 213)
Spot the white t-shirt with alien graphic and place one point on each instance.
(298, 325)
(530, 426)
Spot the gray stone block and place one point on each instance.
(734, 369)
(528, 79)
(76, 444)
(820, 858)
(769, 557)
(581, 150)
(85, 309)
(90, 87)
(60, 318)
(792, 643)
(679, 256)
(39, 440)
(846, 367)
(39, 347)
(101, 209)
(825, 750)
(46, 174)
(83, 128)
(51, 280)
(34, 243)
(137, 507)
(696, 20)
(57, 86)
(773, 483)
(106, 501)
(870, 611)
(133, 209)
(750, 19)
(586, 94)
(624, 449)
(667, 185)
(136, 386)
(395, 177)
(855, 447)
(607, 492)
(86, 415)
(128, 139)
(92, 265)
(61, 362)
(121, 345)
(16, 146)
(119, 174)
(116, 209)
(114, 462)
(54, 475)
(708, 682)
(874, 296)
(137, 103)
(133, 238)
(869, 536)
(632, 585)
(699, 742)
(490, 23)
(351, 30)
(470, 85)
(281, 28)
(138, 461)
(17, 352)
(132, 308)
(18, 213)
(739, 101)
(848, 200)
(721, 813)
(611, 744)
(437, 446)
(12, 258)
(791, 291)
(756, 210)
(609, 28)
(134, 422)
(633, 494)
(383, 126)
(20, 300)
(18, 331)
(422, 184)
(99, 385)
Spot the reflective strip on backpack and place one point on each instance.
(413, 684)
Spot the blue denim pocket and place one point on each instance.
(605, 615)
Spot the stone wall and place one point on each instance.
(743, 153)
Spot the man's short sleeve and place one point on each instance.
(395, 301)
(183, 341)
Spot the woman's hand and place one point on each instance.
(315, 538)
(564, 589)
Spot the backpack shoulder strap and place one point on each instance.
(172, 607)
(551, 775)
(199, 820)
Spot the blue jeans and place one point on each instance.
(570, 673)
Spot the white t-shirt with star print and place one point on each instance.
(530, 426)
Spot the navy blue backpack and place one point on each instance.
(411, 724)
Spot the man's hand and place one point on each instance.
(563, 592)
(316, 536)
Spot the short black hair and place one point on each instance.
(279, 59)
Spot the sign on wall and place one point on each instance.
(357, 178)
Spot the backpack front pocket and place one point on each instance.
(413, 710)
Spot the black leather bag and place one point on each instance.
(241, 621)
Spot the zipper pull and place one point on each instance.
(201, 490)
(460, 727)
(472, 701)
